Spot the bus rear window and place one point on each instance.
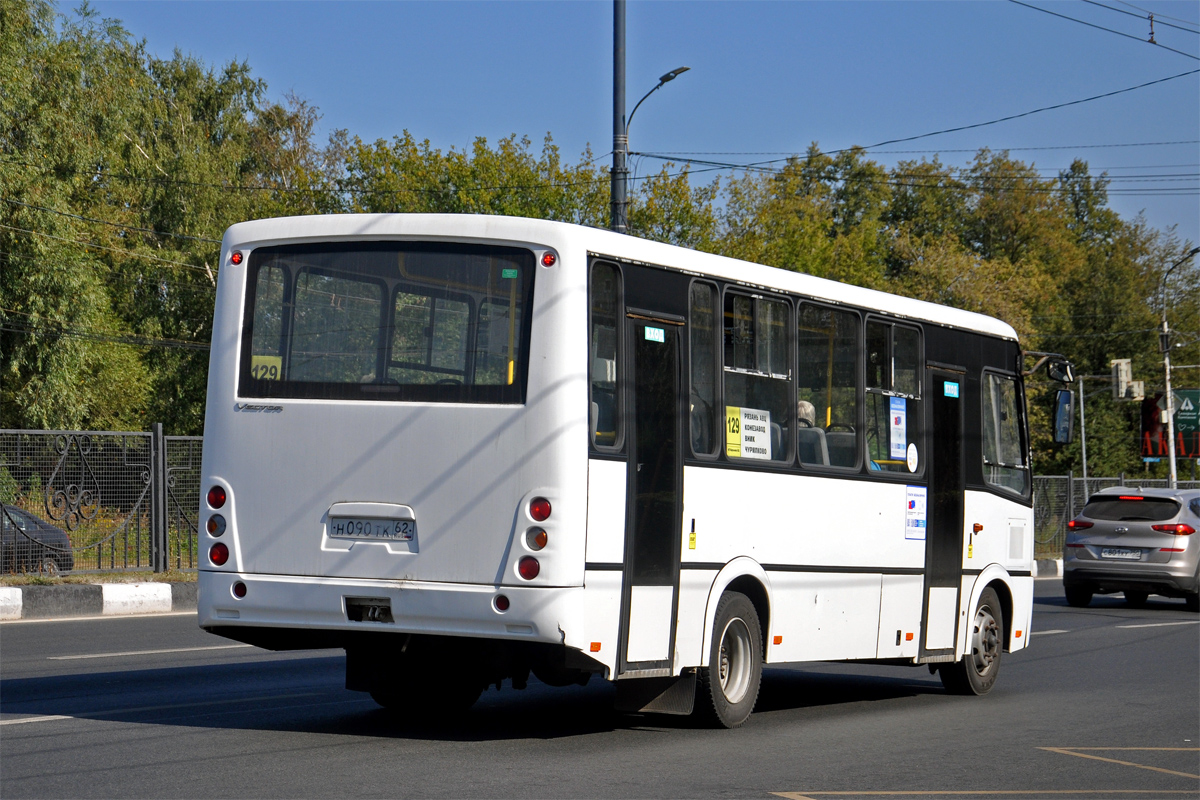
(387, 321)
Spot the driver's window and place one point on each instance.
(827, 393)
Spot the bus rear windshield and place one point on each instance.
(379, 321)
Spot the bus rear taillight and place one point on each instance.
(539, 509)
(528, 568)
(216, 497)
(219, 554)
(535, 539)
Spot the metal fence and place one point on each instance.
(1058, 498)
(98, 500)
(129, 501)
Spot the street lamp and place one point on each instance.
(620, 169)
(1164, 338)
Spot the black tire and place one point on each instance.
(1078, 596)
(976, 672)
(728, 687)
(1136, 599)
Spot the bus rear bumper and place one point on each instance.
(324, 612)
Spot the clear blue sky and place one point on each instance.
(766, 77)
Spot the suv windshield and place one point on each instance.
(1131, 509)
(387, 321)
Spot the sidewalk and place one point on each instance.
(95, 599)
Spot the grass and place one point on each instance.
(123, 576)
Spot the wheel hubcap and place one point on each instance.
(734, 661)
(985, 643)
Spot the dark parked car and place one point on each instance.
(1136, 541)
(30, 544)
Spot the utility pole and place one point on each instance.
(1164, 338)
(620, 132)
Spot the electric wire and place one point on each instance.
(1164, 16)
(32, 325)
(111, 224)
(122, 251)
(1110, 30)
(1144, 16)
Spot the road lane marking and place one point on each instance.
(1045, 633)
(1074, 751)
(33, 719)
(116, 711)
(807, 795)
(1162, 624)
(98, 617)
(149, 652)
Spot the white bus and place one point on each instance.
(468, 448)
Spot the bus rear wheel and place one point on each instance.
(976, 672)
(728, 686)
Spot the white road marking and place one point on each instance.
(1045, 633)
(1162, 624)
(112, 711)
(98, 618)
(149, 652)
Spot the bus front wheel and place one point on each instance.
(728, 686)
(976, 672)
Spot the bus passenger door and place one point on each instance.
(654, 520)
(943, 540)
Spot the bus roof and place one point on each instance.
(602, 242)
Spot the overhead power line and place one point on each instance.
(1110, 30)
(111, 224)
(31, 326)
(1146, 15)
(1162, 16)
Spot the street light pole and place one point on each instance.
(1165, 346)
(620, 134)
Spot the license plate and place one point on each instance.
(1123, 553)
(396, 530)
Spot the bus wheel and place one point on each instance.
(976, 672)
(728, 686)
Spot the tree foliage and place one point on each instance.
(119, 171)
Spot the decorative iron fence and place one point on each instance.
(98, 500)
(1058, 498)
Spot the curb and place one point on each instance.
(95, 600)
(1048, 568)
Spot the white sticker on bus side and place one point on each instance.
(915, 515)
(655, 335)
(747, 432)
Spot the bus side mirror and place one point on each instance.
(1064, 416)
(1061, 370)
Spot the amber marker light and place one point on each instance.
(595, 647)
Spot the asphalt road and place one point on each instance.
(1106, 703)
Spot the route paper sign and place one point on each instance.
(915, 515)
(898, 415)
(747, 432)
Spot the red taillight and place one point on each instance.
(501, 603)
(1172, 549)
(549, 259)
(219, 554)
(236, 257)
(1075, 544)
(1177, 528)
(239, 590)
(1079, 524)
(528, 568)
(539, 509)
(216, 497)
(1130, 497)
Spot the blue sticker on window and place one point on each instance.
(950, 388)
(655, 335)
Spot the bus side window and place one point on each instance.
(605, 300)
(893, 397)
(759, 404)
(702, 402)
(1003, 451)
(827, 386)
